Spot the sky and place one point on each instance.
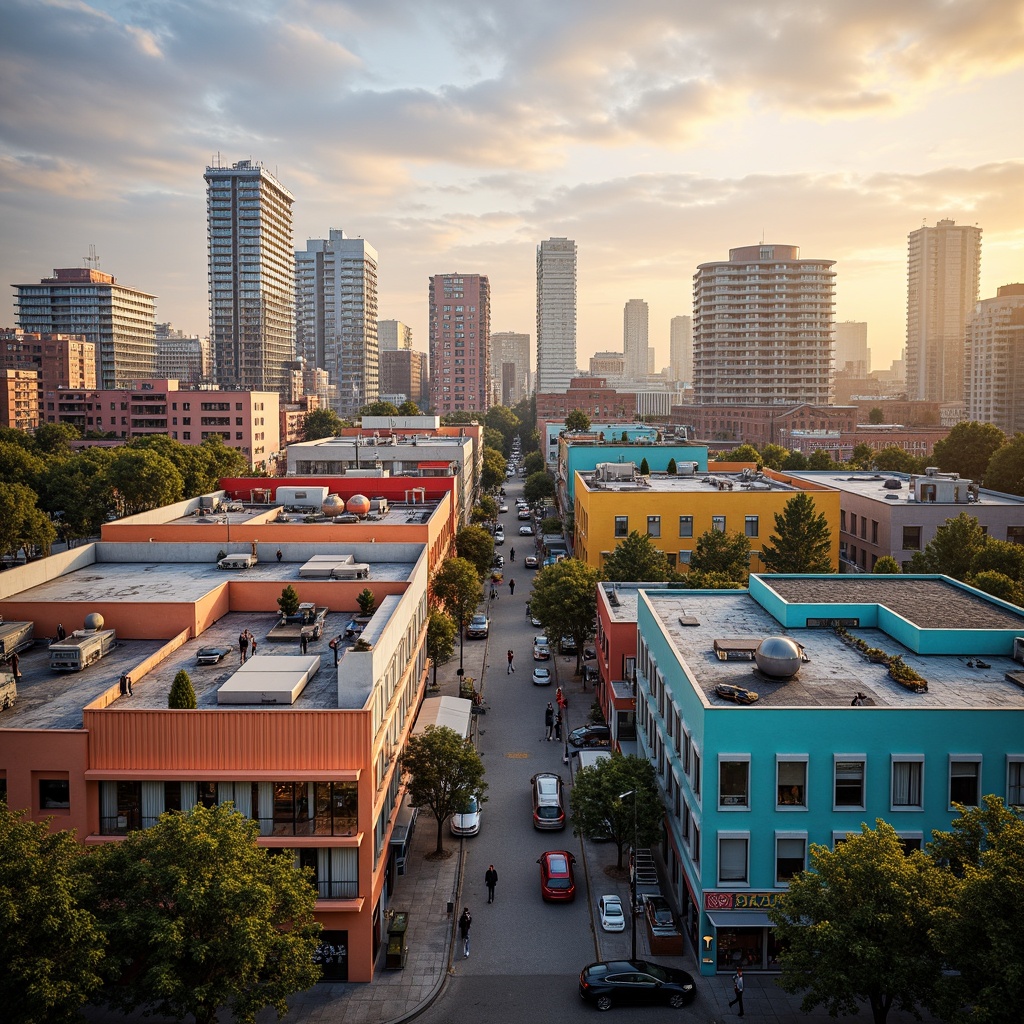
(454, 136)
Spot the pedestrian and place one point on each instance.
(128, 683)
(858, 700)
(123, 683)
(511, 554)
(737, 987)
(334, 647)
(560, 699)
(490, 880)
(252, 641)
(243, 645)
(558, 726)
(511, 587)
(549, 720)
(280, 554)
(303, 641)
(527, 609)
(511, 661)
(16, 666)
(60, 633)
(494, 593)
(464, 924)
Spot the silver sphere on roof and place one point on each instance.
(778, 656)
(94, 621)
(333, 506)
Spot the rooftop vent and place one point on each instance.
(892, 484)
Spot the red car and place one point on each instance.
(556, 880)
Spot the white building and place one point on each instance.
(635, 332)
(556, 315)
(251, 277)
(943, 265)
(994, 365)
(182, 358)
(852, 352)
(762, 331)
(680, 348)
(510, 365)
(336, 303)
(393, 335)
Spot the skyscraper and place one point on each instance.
(680, 347)
(393, 335)
(510, 365)
(251, 277)
(762, 330)
(460, 343)
(994, 342)
(635, 316)
(943, 266)
(336, 321)
(119, 321)
(852, 348)
(556, 315)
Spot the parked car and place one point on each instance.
(556, 878)
(499, 562)
(503, 507)
(211, 655)
(478, 627)
(541, 650)
(737, 694)
(660, 916)
(632, 982)
(534, 621)
(591, 736)
(530, 561)
(467, 821)
(548, 801)
(589, 653)
(524, 513)
(567, 645)
(522, 503)
(499, 537)
(541, 676)
(525, 531)
(609, 909)
(591, 674)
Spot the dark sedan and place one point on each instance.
(635, 982)
(591, 736)
(211, 655)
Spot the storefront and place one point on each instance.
(738, 933)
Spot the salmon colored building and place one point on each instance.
(305, 742)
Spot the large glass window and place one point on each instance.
(750, 526)
(1015, 781)
(734, 782)
(718, 523)
(732, 859)
(622, 526)
(912, 538)
(849, 783)
(654, 526)
(907, 775)
(686, 526)
(54, 794)
(964, 779)
(790, 852)
(791, 782)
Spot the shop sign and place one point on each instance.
(740, 900)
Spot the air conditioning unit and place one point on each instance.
(1018, 649)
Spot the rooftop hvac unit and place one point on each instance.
(1018, 649)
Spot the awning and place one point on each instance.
(740, 919)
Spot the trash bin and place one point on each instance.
(394, 959)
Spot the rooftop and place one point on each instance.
(397, 514)
(872, 485)
(747, 480)
(622, 598)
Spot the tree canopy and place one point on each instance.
(379, 409)
(1005, 470)
(476, 545)
(538, 487)
(724, 555)
(456, 584)
(802, 541)
(636, 559)
(577, 422)
(445, 772)
(564, 599)
(744, 453)
(533, 463)
(506, 422)
(968, 448)
(199, 916)
(22, 524)
(441, 630)
(893, 459)
(492, 476)
(953, 548)
(409, 408)
(321, 423)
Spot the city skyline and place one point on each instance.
(840, 134)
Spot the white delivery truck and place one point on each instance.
(81, 649)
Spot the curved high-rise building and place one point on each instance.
(556, 315)
(762, 328)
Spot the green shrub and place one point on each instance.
(182, 694)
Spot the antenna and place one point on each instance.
(92, 260)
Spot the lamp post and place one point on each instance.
(632, 877)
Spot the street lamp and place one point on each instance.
(632, 876)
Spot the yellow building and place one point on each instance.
(674, 510)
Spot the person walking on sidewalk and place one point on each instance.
(511, 661)
(490, 880)
(549, 720)
(511, 587)
(737, 987)
(243, 645)
(558, 726)
(464, 923)
(511, 554)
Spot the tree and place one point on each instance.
(599, 806)
(636, 559)
(55, 438)
(183, 694)
(21, 522)
(551, 525)
(366, 601)
(456, 585)
(199, 916)
(862, 457)
(1000, 556)
(773, 455)
(36, 533)
(745, 453)
(700, 580)
(51, 945)
(492, 476)
(379, 409)
(321, 423)
(887, 566)
(144, 479)
(505, 421)
(538, 487)
(893, 459)
(495, 439)
(998, 584)
(488, 508)
(445, 772)
(476, 545)
(533, 463)
(565, 600)
(980, 927)
(794, 462)
(577, 422)
(820, 459)
(802, 541)
(857, 926)
(1006, 467)
(953, 549)
(18, 465)
(441, 629)
(409, 408)
(645, 469)
(876, 415)
(721, 554)
(671, 468)
(967, 449)
(288, 602)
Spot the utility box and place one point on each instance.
(397, 951)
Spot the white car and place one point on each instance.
(541, 648)
(467, 821)
(525, 531)
(612, 917)
(499, 537)
(503, 507)
(541, 676)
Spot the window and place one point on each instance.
(684, 557)
(654, 526)
(907, 773)
(54, 794)
(1015, 781)
(911, 538)
(718, 523)
(1015, 534)
(696, 773)
(911, 841)
(842, 519)
(874, 531)
(853, 523)
(849, 781)
(686, 526)
(622, 526)
(964, 778)
(734, 781)
(790, 853)
(695, 846)
(791, 782)
(732, 858)
(750, 526)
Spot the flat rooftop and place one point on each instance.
(622, 598)
(834, 672)
(399, 514)
(872, 485)
(698, 482)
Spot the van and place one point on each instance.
(548, 802)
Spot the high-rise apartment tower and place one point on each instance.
(994, 339)
(393, 336)
(635, 318)
(680, 348)
(336, 315)
(943, 267)
(460, 343)
(556, 315)
(510, 365)
(762, 328)
(251, 277)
